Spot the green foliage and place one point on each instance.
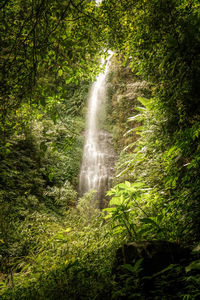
(50, 46)
(66, 257)
(47, 252)
(160, 41)
(173, 282)
(166, 146)
(39, 172)
(125, 199)
(163, 162)
(134, 213)
(129, 284)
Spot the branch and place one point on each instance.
(95, 21)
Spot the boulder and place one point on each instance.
(150, 268)
(156, 256)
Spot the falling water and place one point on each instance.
(96, 169)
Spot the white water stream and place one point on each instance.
(96, 172)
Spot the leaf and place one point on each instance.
(60, 72)
(134, 268)
(137, 184)
(116, 200)
(7, 151)
(146, 102)
(127, 184)
(134, 118)
(118, 230)
(168, 268)
(196, 249)
(50, 176)
(25, 268)
(143, 230)
(137, 129)
(149, 221)
(110, 192)
(195, 265)
(138, 263)
(128, 267)
(108, 216)
(109, 209)
(69, 80)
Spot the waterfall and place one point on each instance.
(97, 162)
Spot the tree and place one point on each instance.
(40, 38)
(162, 42)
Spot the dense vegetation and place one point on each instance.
(52, 244)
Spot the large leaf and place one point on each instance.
(146, 102)
(116, 201)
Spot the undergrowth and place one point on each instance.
(69, 257)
